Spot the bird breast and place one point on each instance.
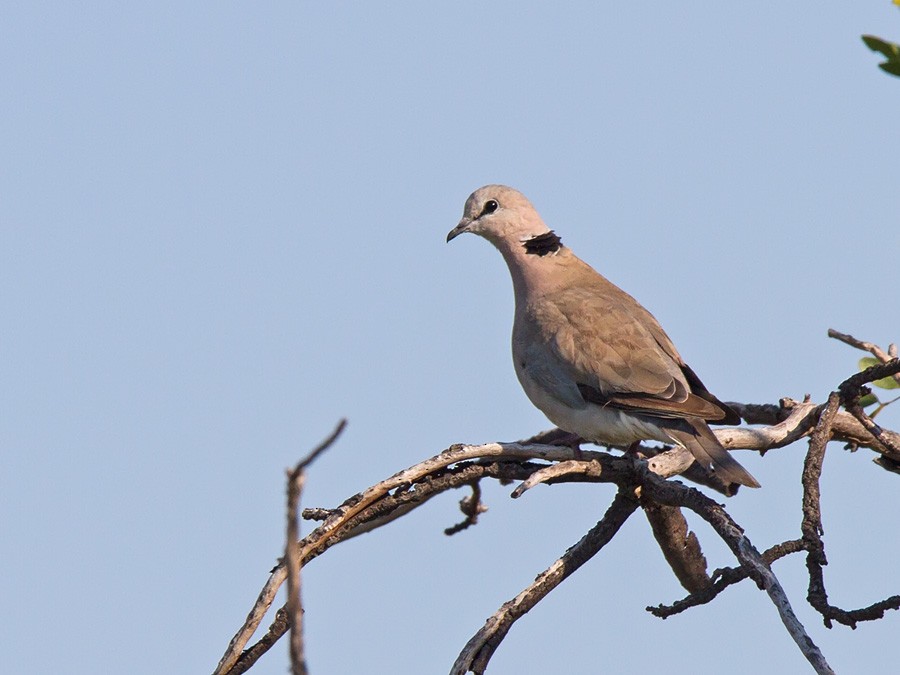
(595, 423)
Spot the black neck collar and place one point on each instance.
(543, 244)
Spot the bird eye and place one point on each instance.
(490, 206)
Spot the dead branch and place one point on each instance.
(292, 613)
(723, 578)
(471, 508)
(852, 389)
(296, 477)
(675, 494)
(811, 526)
(792, 420)
(404, 490)
(294, 606)
(679, 545)
(873, 349)
(481, 647)
(532, 463)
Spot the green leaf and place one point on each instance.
(867, 400)
(867, 362)
(885, 382)
(876, 44)
(889, 49)
(892, 67)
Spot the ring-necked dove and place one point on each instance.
(591, 358)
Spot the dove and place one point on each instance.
(587, 354)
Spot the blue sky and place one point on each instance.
(222, 229)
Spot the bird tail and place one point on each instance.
(696, 436)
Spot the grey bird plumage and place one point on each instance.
(587, 354)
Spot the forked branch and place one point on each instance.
(639, 482)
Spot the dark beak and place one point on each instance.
(459, 229)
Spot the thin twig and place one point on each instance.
(471, 508)
(294, 606)
(555, 471)
(296, 477)
(481, 647)
(229, 663)
(322, 447)
(873, 349)
(811, 525)
(276, 630)
(788, 618)
(723, 578)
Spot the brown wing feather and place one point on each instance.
(607, 347)
(619, 354)
(726, 415)
(729, 414)
(693, 406)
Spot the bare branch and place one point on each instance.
(784, 424)
(378, 505)
(788, 618)
(294, 607)
(233, 662)
(479, 650)
(723, 578)
(471, 507)
(278, 628)
(792, 420)
(852, 384)
(322, 447)
(795, 425)
(556, 471)
(675, 494)
(679, 545)
(565, 462)
(293, 613)
(296, 478)
(811, 525)
(852, 389)
(873, 349)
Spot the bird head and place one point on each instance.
(501, 215)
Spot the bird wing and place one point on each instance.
(615, 352)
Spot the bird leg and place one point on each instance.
(634, 450)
